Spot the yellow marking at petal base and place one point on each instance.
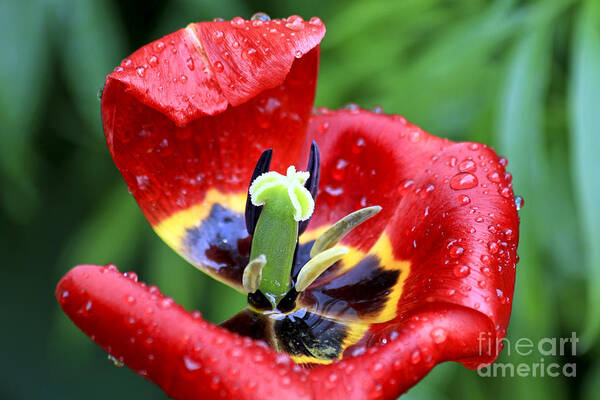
(356, 330)
(172, 230)
(383, 250)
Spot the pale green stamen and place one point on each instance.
(285, 202)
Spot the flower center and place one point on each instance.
(278, 210)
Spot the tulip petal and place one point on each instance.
(186, 140)
(179, 351)
(448, 231)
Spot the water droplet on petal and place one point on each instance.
(218, 66)
(463, 199)
(295, 23)
(463, 180)
(358, 146)
(461, 271)
(439, 335)
(115, 361)
(456, 251)
(519, 202)
(153, 61)
(415, 357)
(494, 176)
(191, 365)
(190, 64)
(131, 275)
(315, 21)
(260, 16)
(467, 166)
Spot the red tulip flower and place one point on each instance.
(408, 260)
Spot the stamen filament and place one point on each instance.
(253, 273)
(317, 265)
(337, 231)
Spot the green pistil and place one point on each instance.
(285, 202)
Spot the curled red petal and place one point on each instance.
(448, 212)
(434, 334)
(186, 356)
(193, 110)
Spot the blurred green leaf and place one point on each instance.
(585, 114)
(520, 138)
(90, 41)
(173, 275)
(23, 76)
(110, 235)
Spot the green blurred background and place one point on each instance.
(523, 76)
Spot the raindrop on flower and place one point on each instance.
(295, 23)
(190, 364)
(467, 166)
(463, 180)
(115, 361)
(218, 66)
(439, 335)
(461, 271)
(260, 16)
(519, 202)
(153, 61)
(463, 199)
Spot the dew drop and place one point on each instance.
(217, 36)
(190, 64)
(295, 23)
(159, 46)
(140, 71)
(218, 66)
(505, 192)
(463, 180)
(99, 93)
(415, 357)
(463, 199)
(166, 302)
(115, 361)
(493, 247)
(352, 107)
(131, 275)
(238, 22)
(519, 202)
(456, 251)
(153, 61)
(377, 109)
(467, 166)
(461, 271)
(439, 335)
(191, 365)
(358, 146)
(260, 16)
(494, 176)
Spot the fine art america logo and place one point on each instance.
(547, 349)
